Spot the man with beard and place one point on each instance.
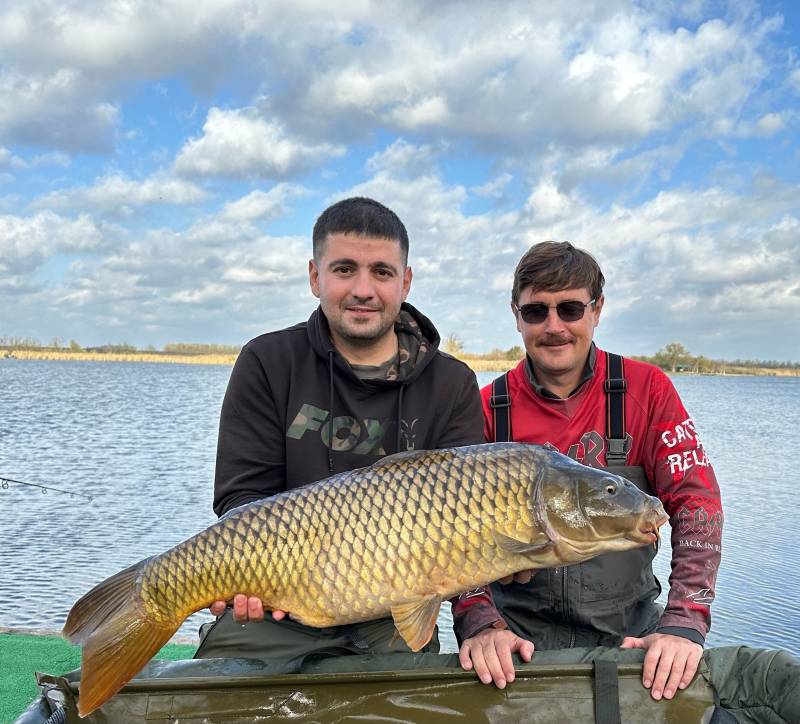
(361, 379)
(607, 412)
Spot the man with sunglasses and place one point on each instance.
(609, 412)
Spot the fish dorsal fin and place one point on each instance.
(397, 457)
(521, 547)
(416, 619)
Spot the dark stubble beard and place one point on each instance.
(364, 340)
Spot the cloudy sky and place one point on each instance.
(162, 162)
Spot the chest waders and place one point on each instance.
(599, 601)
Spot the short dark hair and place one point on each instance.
(363, 217)
(551, 266)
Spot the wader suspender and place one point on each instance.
(500, 402)
(615, 386)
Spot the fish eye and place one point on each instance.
(611, 489)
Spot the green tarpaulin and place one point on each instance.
(749, 685)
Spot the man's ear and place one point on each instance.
(313, 277)
(516, 316)
(407, 276)
(598, 307)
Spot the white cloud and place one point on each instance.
(614, 70)
(9, 160)
(27, 242)
(769, 124)
(54, 158)
(174, 285)
(201, 295)
(55, 109)
(270, 262)
(687, 246)
(262, 204)
(547, 203)
(794, 79)
(241, 143)
(426, 205)
(617, 166)
(402, 157)
(428, 111)
(764, 126)
(118, 195)
(115, 39)
(493, 188)
(64, 66)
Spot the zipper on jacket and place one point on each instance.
(565, 607)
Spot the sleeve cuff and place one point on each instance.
(687, 633)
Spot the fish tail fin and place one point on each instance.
(118, 635)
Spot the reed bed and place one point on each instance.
(55, 354)
(489, 365)
(476, 364)
(757, 372)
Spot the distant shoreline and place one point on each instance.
(82, 356)
(477, 365)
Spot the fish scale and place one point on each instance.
(396, 538)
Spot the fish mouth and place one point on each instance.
(649, 530)
(648, 535)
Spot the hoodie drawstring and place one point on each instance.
(399, 414)
(330, 421)
(399, 436)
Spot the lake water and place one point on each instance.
(140, 438)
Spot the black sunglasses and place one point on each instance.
(569, 311)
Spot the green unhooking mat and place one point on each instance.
(602, 685)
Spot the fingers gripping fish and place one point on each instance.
(395, 538)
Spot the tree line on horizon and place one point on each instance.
(673, 357)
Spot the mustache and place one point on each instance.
(551, 339)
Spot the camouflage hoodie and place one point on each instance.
(295, 411)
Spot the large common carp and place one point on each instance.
(396, 537)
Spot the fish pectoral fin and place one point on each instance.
(416, 619)
(522, 547)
